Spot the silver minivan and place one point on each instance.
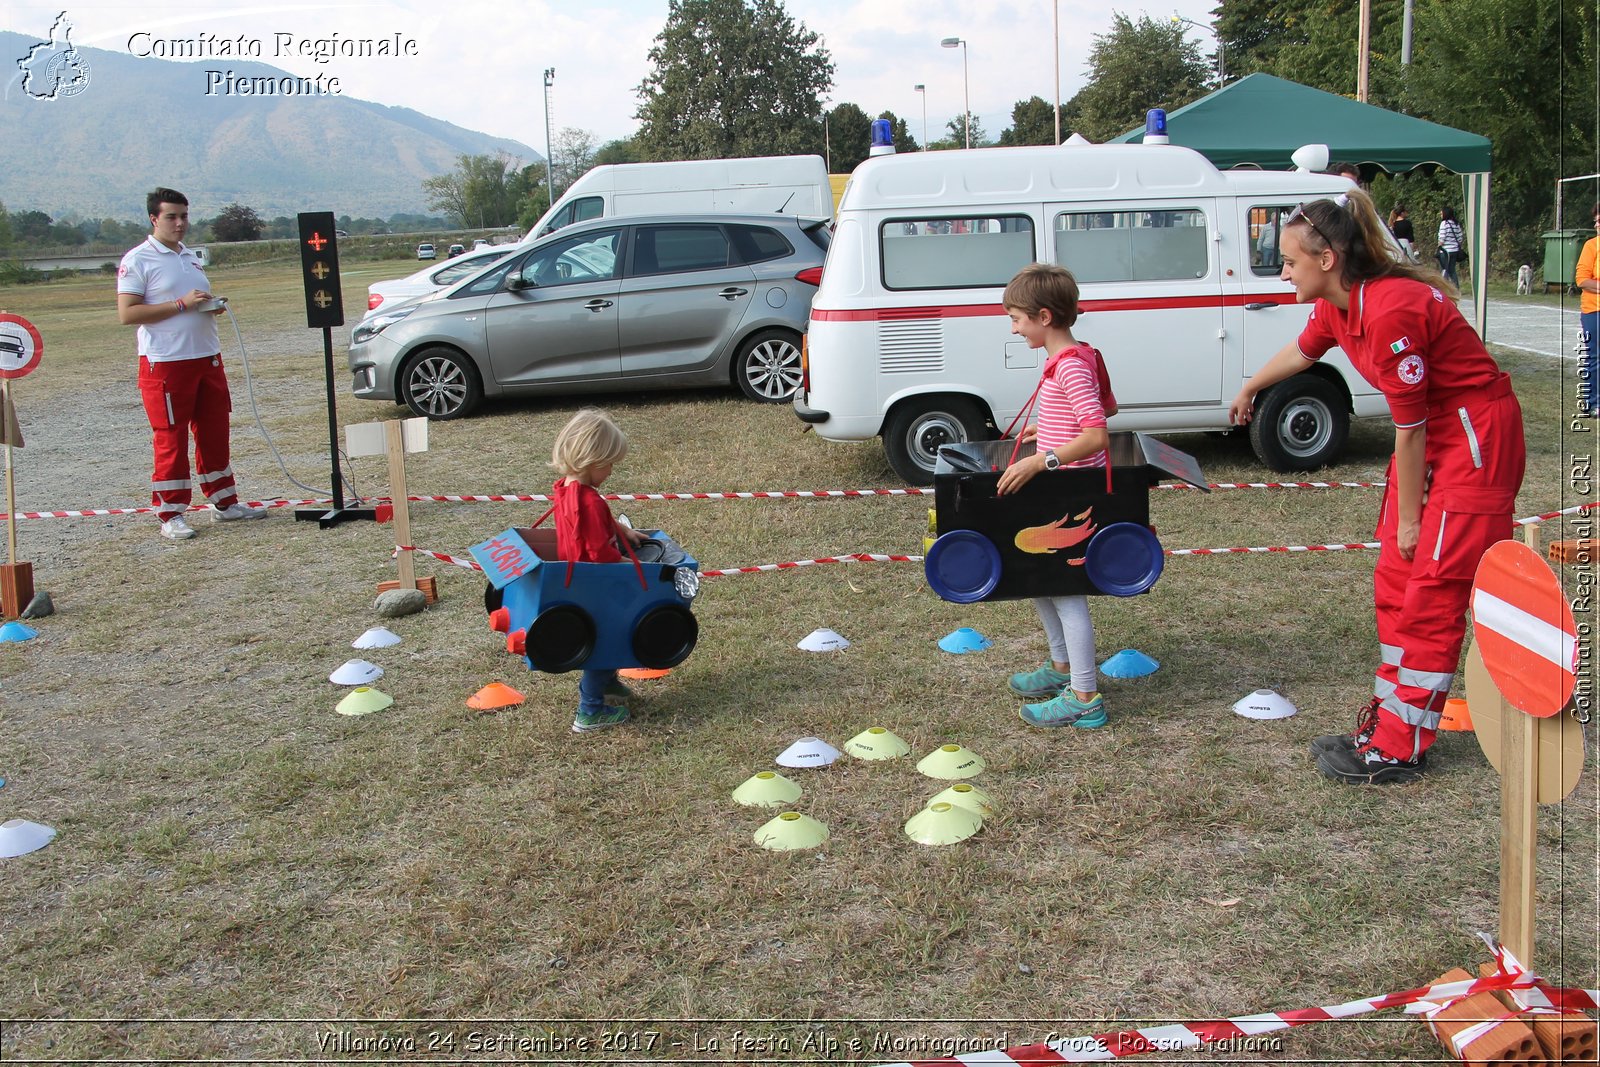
(642, 302)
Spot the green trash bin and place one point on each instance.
(1561, 248)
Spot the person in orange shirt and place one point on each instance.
(1587, 278)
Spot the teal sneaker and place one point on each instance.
(1041, 684)
(605, 718)
(619, 692)
(1066, 710)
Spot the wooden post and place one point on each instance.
(1519, 818)
(16, 579)
(395, 446)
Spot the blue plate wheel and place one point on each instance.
(560, 639)
(1124, 559)
(962, 566)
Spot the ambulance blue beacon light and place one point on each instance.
(882, 138)
(1155, 127)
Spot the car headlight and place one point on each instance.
(686, 582)
(369, 328)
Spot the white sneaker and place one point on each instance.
(234, 512)
(175, 529)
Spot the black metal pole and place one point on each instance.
(333, 419)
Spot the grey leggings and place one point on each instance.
(1071, 635)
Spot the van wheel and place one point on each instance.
(916, 428)
(767, 368)
(440, 383)
(1300, 424)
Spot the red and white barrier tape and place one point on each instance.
(875, 557)
(1099, 1048)
(780, 494)
(858, 557)
(93, 512)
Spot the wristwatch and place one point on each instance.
(1051, 460)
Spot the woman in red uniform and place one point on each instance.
(1453, 480)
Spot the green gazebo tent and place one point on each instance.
(1259, 120)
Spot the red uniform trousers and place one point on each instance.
(178, 395)
(1475, 456)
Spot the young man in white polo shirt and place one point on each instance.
(160, 289)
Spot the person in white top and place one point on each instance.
(162, 290)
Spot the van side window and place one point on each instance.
(580, 210)
(945, 253)
(1266, 224)
(1133, 246)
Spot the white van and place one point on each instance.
(1178, 268)
(786, 185)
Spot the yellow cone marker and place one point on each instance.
(950, 762)
(969, 796)
(942, 824)
(766, 789)
(790, 831)
(876, 743)
(363, 700)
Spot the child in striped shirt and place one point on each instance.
(1074, 402)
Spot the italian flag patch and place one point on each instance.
(1400, 345)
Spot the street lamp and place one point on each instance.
(1222, 70)
(923, 89)
(549, 159)
(966, 93)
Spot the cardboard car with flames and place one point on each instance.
(1074, 531)
(564, 616)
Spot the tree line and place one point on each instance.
(732, 78)
(25, 232)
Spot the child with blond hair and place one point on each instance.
(585, 451)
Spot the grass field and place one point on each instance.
(243, 874)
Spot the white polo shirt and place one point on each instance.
(158, 275)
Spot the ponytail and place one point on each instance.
(1352, 227)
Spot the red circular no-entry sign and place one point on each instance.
(20, 346)
(1525, 629)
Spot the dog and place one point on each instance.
(1525, 279)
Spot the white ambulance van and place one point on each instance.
(1178, 268)
(785, 185)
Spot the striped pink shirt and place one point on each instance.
(1070, 402)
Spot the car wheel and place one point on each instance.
(916, 428)
(665, 636)
(440, 383)
(767, 368)
(560, 639)
(1300, 424)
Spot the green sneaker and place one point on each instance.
(619, 692)
(1066, 710)
(606, 717)
(1041, 684)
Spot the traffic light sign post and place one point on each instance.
(319, 264)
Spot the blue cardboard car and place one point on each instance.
(564, 616)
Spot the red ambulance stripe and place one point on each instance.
(964, 311)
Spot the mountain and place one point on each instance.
(138, 123)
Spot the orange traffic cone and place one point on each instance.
(1455, 716)
(493, 696)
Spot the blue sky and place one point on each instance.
(479, 63)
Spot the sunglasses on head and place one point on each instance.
(1299, 213)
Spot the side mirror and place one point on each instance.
(516, 283)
